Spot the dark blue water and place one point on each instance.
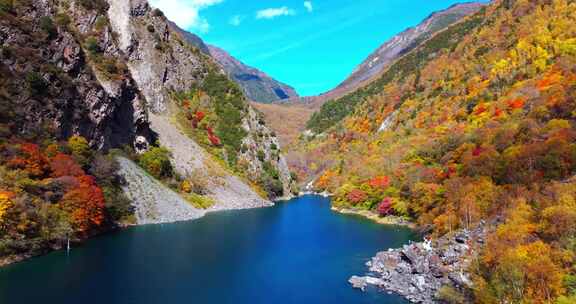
(296, 252)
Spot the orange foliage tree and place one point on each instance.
(85, 204)
(65, 165)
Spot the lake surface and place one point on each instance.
(295, 252)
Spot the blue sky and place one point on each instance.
(310, 45)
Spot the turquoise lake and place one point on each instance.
(296, 252)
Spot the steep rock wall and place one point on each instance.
(52, 84)
(162, 62)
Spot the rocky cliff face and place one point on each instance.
(256, 84)
(51, 83)
(102, 69)
(163, 62)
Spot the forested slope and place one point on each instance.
(476, 125)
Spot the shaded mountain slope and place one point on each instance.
(257, 85)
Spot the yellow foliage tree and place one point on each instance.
(5, 204)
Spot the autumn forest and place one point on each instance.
(473, 128)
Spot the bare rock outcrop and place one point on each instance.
(417, 271)
(52, 82)
(162, 62)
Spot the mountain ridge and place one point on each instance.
(257, 85)
(289, 132)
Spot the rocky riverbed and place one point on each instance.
(417, 271)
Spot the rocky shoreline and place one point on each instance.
(418, 271)
(386, 220)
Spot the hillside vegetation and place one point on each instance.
(477, 124)
(72, 91)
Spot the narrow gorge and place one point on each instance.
(226, 151)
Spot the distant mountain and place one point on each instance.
(392, 50)
(376, 64)
(190, 38)
(407, 41)
(256, 84)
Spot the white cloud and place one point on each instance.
(308, 5)
(236, 20)
(271, 13)
(186, 13)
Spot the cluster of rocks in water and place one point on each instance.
(417, 271)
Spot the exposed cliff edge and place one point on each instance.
(54, 82)
(163, 63)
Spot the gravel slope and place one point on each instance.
(228, 191)
(154, 202)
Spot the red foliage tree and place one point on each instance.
(477, 151)
(85, 204)
(356, 196)
(385, 207)
(481, 109)
(200, 116)
(214, 140)
(498, 113)
(32, 160)
(380, 182)
(517, 103)
(65, 165)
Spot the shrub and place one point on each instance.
(101, 23)
(199, 201)
(36, 83)
(156, 161)
(6, 6)
(566, 300)
(199, 182)
(80, 149)
(92, 45)
(261, 156)
(98, 5)
(294, 176)
(104, 169)
(448, 294)
(62, 19)
(151, 28)
(47, 25)
(118, 205)
(157, 13)
(272, 186)
(186, 186)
